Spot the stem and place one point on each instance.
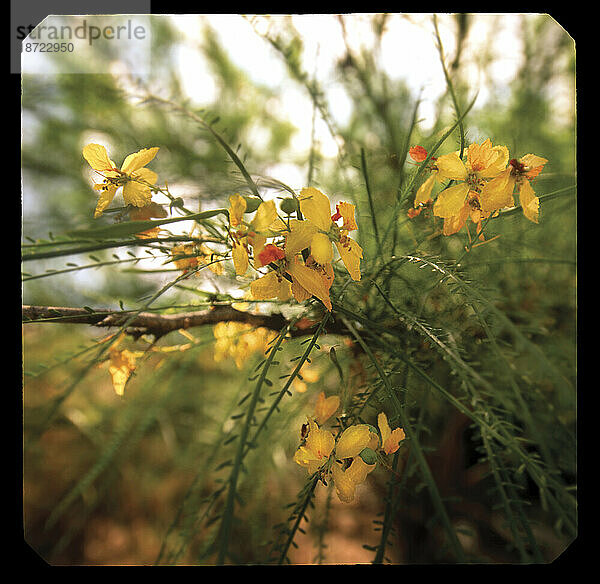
(227, 520)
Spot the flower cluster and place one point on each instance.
(236, 341)
(297, 253)
(349, 459)
(485, 179)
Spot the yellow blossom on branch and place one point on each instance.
(319, 231)
(253, 235)
(135, 179)
(237, 341)
(481, 189)
(390, 439)
(315, 451)
(121, 365)
(346, 481)
(292, 276)
(300, 276)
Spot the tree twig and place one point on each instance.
(160, 324)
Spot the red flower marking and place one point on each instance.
(270, 253)
(336, 215)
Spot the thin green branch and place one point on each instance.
(228, 510)
(363, 162)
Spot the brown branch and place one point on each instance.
(162, 324)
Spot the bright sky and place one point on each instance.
(408, 52)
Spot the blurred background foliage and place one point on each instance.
(109, 480)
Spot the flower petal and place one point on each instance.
(137, 194)
(315, 206)
(267, 254)
(451, 200)
(351, 254)
(237, 208)
(239, 255)
(104, 201)
(122, 365)
(529, 202)
(359, 470)
(312, 455)
(353, 439)
(450, 166)
(418, 153)
(345, 487)
(312, 281)
(300, 294)
(270, 286)
(326, 407)
(424, 192)
(487, 160)
(455, 223)
(97, 158)
(389, 439)
(497, 193)
(138, 159)
(146, 175)
(299, 236)
(266, 215)
(534, 164)
(496, 163)
(321, 249)
(346, 211)
(346, 481)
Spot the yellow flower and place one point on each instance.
(189, 255)
(136, 180)
(319, 230)
(307, 279)
(482, 188)
(121, 366)
(317, 448)
(348, 461)
(522, 172)
(237, 341)
(346, 481)
(390, 439)
(254, 234)
(326, 407)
